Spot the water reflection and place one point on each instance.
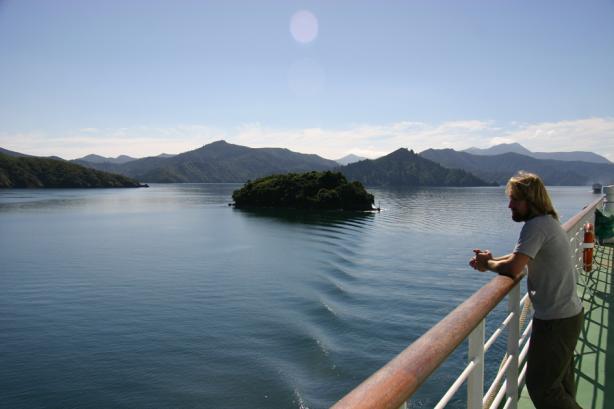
(308, 217)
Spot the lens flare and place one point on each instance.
(304, 26)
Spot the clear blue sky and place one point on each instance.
(141, 77)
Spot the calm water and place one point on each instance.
(168, 298)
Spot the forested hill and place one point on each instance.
(309, 190)
(405, 168)
(17, 172)
(219, 162)
(500, 168)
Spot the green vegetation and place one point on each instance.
(44, 172)
(311, 190)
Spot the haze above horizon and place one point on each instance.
(145, 77)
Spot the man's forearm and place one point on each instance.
(510, 265)
(502, 266)
(503, 258)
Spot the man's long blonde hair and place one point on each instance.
(528, 186)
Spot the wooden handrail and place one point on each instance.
(569, 224)
(394, 383)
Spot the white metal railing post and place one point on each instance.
(475, 381)
(512, 346)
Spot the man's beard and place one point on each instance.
(517, 217)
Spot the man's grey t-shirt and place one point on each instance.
(552, 279)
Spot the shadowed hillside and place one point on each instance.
(500, 168)
(405, 168)
(17, 172)
(218, 162)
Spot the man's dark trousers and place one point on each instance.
(550, 370)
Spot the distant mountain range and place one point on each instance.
(499, 168)
(19, 170)
(101, 159)
(217, 162)
(224, 162)
(577, 156)
(119, 160)
(405, 168)
(351, 158)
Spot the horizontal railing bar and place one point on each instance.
(394, 383)
(500, 395)
(501, 372)
(469, 368)
(504, 324)
(523, 352)
(525, 333)
(500, 375)
(457, 384)
(471, 365)
(521, 377)
(498, 331)
(569, 224)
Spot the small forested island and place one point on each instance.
(35, 172)
(311, 190)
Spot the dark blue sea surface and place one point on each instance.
(168, 298)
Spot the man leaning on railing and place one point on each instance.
(543, 247)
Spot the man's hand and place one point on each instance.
(480, 260)
(510, 265)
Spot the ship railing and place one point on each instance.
(392, 385)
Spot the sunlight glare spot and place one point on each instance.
(304, 26)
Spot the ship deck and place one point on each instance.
(595, 348)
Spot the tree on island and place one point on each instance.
(310, 190)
